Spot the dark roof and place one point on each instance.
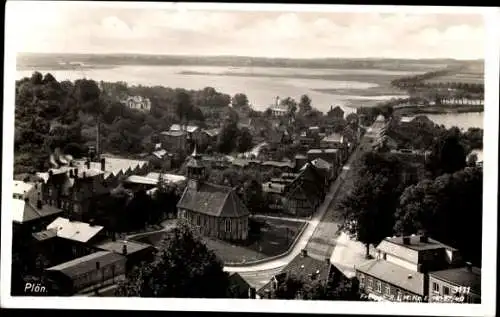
(195, 162)
(461, 277)
(394, 274)
(117, 246)
(236, 280)
(26, 211)
(213, 200)
(87, 263)
(302, 267)
(44, 235)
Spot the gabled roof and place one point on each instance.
(334, 137)
(212, 132)
(170, 178)
(394, 274)
(173, 133)
(302, 267)
(24, 211)
(87, 263)
(213, 200)
(74, 230)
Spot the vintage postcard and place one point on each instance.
(250, 157)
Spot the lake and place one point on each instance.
(260, 84)
(459, 120)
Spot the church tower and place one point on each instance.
(196, 172)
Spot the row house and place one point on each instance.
(174, 140)
(134, 252)
(88, 274)
(401, 269)
(72, 189)
(64, 240)
(331, 156)
(298, 194)
(264, 166)
(456, 285)
(216, 211)
(304, 268)
(336, 141)
(29, 211)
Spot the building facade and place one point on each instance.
(137, 103)
(401, 270)
(215, 211)
(457, 285)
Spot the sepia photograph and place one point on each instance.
(292, 158)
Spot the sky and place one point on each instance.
(50, 27)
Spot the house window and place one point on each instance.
(379, 286)
(435, 287)
(198, 220)
(446, 290)
(361, 280)
(228, 225)
(387, 289)
(369, 282)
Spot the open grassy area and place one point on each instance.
(275, 237)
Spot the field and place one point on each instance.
(472, 74)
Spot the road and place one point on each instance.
(320, 235)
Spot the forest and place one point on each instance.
(51, 114)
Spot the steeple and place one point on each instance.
(195, 170)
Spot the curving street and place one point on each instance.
(319, 239)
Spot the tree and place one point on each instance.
(291, 105)
(289, 288)
(227, 138)
(448, 209)
(244, 140)
(239, 101)
(305, 104)
(448, 155)
(370, 207)
(253, 196)
(183, 268)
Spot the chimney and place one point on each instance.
(97, 265)
(406, 240)
(252, 293)
(303, 253)
(424, 239)
(103, 164)
(124, 249)
(468, 265)
(39, 204)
